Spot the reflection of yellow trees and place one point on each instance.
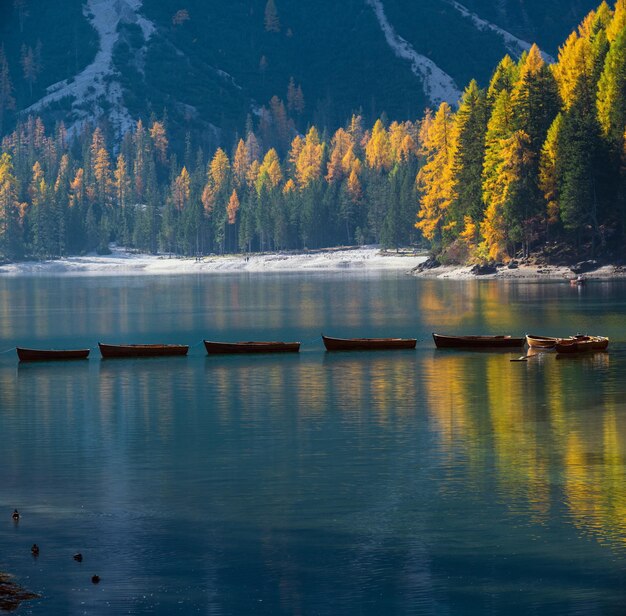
(478, 307)
(307, 315)
(521, 461)
(536, 425)
(452, 306)
(448, 397)
(595, 480)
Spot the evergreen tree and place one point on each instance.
(9, 226)
(122, 186)
(7, 102)
(504, 78)
(612, 91)
(272, 21)
(467, 164)
(581, 159)
(549, 170)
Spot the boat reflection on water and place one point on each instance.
(597, 359)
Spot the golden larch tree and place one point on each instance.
(355, 190)
(378, 148)
(574, 68)
(77, 189)
(270, 174)
(296, 147)
(219, 170)
(232, 208)
(181, 190)
(618, 22)
(159, 139)
(309, 163)
(341, 144)
(289, 187)
(101, 165)
(435, 178)
(401, 143)
(241, 163)
(62, 176)
(122, 182)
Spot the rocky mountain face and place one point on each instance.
(210, 65)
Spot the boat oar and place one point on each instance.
(524, 357)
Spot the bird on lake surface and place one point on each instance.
(16, 515)
(78, 557)
(35, 549)
(95, 579)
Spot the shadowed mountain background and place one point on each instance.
(208, 65)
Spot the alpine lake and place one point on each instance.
(430, 482)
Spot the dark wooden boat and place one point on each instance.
(367, 344)
(581, 344)
(142, 350)
(541, 342)
(574, 345)
(600, 343)
(476, 342)
(222, 348)
(51, 354)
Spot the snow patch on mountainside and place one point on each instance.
(438, 85)
(96, 87)
(515, 46)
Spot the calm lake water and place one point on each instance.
(412, 482)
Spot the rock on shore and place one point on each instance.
(11, 594)
(521, 271)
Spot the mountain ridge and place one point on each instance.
(208, 67)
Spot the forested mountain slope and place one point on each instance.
(533, 161)
(210, 64)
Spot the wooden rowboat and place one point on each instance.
(582, 343)
(142, 350)
(250, 347)
(541, 342)
(600, 343)
(51, 354)
(367, 344)
(476, 342)
(574, 345)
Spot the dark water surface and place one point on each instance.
(413, 482)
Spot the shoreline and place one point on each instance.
(524, 272)
(121, 262)
(346, 260)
